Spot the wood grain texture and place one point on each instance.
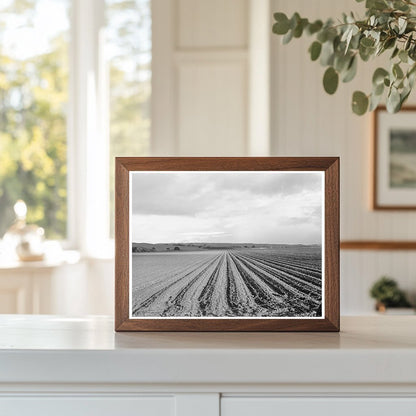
(122, 248)
(378, 245)
(330, 165)
(376, 168)
(332, 226)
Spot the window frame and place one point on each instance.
(87, 133)
(87, 128)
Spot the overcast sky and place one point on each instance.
(227, 207)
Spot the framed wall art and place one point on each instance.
(227, 244)
(394, 159)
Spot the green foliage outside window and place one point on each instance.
(33, 99)
(34, 103)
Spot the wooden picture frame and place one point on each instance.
(135, 169)
(391, 174)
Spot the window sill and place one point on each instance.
(50, 261)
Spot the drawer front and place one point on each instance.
(272, 406)
(87, 406)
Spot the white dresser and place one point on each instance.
(79, 366)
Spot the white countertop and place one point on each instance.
(50, 349)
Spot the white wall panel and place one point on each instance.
(200, 77)
(212, 24)
(308, 122)
(212, 108)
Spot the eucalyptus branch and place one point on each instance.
(389, 25)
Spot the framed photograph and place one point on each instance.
(394, 153)
(227, 244)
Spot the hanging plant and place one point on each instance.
(389, 27)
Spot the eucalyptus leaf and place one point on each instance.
(294, 20)
(404, 96)
(366, 53)
(393, 101)
(314, 27)
(351, 70)
(378, 89)
(402, 22)
(341, 62)
(298, 30)
(315, 50)
(330, 80)
(359, 103)
(288, 37)
(376, 4)
(374, 101)
(379, 75)
(367, 42)
(397, 71)
(339, 44)
(327, 53)
(395, 52)
(408, 42)
(389, 43)
(281, 27)
(403, 56)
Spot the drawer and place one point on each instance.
(273, 406)
(87, 406)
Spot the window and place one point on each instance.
(33, 98)
(75, 87)
(129, 43)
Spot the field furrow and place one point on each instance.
(228, 283)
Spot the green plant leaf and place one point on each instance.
(322, 36)
(315, 50)
(374, 102)
(393, 101)
(388, 24)
(359, 103)
(314, 27)
(389, 43)
(351, 71)
(367, 42)
(330, 80)
(397, 71)
(395, 52)
(288, 37)
(376, 4)
(408, 42)
(327, 53)
(379, 75)
(403, 56)
(366, 52)
(281, 27)
(404, 96)
(294, 20)
(298, 30)
(341, 61)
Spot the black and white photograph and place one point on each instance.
(226, 244)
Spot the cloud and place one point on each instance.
(189, 193)
(257, 207)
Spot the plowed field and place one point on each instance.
(235, 283)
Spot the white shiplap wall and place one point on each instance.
(305, 121)
(200, 77)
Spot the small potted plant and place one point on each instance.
(388, 295)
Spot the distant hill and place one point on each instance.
(166, 247)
